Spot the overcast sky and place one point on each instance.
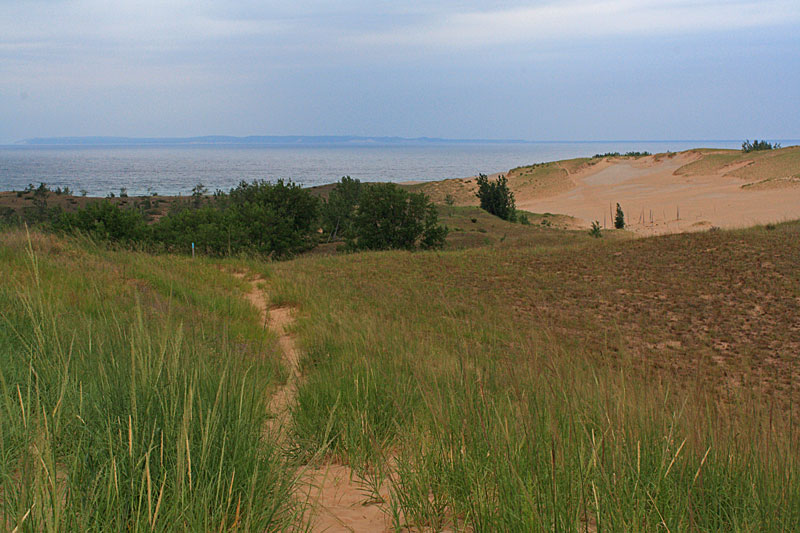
(539, 70)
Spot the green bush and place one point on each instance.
(496, 197)
(277, 219)
(209, 228)
(271, 219)
(757, 145)
(389, 217)
(105, 220)
(340, 208)
(595, 231)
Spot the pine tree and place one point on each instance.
(619, 218)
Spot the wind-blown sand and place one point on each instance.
(658, 199)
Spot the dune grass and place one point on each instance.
(545, 381)
(132, 395)
(511, 388)
(750, 167)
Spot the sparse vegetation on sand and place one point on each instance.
(626, 154)
(544, 381)
(757, 146)
(749, 167)
(587, 386)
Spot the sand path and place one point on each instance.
(657, 201)
(338, 503)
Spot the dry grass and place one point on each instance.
(573, 382)
(765, 166)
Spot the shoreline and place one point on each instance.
(692, 190)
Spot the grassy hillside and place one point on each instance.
(770, 168)
(601, 385)
(536, 380)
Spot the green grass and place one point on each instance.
(525, 388)
(471, 226)
(525, 379)
(132, 395)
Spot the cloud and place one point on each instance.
(587, 19)
(142, 24)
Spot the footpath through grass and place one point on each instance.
(593, 386)
(132, 394)
(545, 381)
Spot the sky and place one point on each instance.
(536, 70)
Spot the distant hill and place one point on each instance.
(261, 140)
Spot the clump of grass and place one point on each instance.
(114, 415)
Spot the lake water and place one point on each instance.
(171, 170)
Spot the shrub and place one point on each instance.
(757, 145)
(199, 192)
(279, 218)
(104, 220)
(271, 219)
(388, 217)
(212, 231)
(595, 231)
(340, 208)
(8, 216)
(496, 197)
(619, 218)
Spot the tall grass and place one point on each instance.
(116, 415)
(482, 415)
(543, 386)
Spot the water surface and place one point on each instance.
(170, 170)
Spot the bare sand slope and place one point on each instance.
(658, 199)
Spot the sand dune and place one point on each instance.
(689, 191)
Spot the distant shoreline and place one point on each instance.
(174, 169)
(316, 140)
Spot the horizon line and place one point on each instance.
(102, 140)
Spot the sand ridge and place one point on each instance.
(658, 199)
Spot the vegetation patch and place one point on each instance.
(131, 394)
(597, 382)
(758, 146)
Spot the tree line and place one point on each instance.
(278, 219)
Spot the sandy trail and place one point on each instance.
(338, 502)
(657, 201)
